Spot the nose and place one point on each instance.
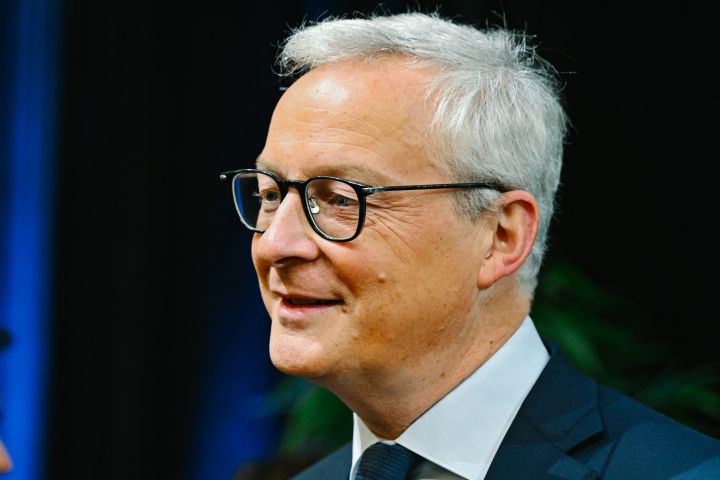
(290, 238)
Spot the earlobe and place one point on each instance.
(513, 235)
(489, 271)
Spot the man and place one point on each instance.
(411, 303)
(5, 461)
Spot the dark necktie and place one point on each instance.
(386, 462)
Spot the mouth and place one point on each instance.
(297, 311)
(310, 301)
(302, 302)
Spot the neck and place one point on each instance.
(389, 402)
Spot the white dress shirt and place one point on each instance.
(459, 435)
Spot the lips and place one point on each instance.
(296, 310)
(299, 308)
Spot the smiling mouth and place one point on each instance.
(310, 301)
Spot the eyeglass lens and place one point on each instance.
(334, 205)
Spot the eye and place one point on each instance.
(341, 201)
(271, 196)
(267, 197)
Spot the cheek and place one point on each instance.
(387, 299)
(400, 228)
(409, 291)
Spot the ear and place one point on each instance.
(512, 232)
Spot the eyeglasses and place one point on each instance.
(335, 207)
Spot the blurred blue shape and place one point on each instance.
(28, 105)
(236, 422)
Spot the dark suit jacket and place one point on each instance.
(571, 428)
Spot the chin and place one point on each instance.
(298, 356)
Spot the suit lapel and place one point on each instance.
(559, 414)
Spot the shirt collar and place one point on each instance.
(464, 429)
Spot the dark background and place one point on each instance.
(159, 344)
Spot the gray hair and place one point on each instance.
(497, 117)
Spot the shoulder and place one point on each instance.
(335, 466)
(611, 434)
(636, 437)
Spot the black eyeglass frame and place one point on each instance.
(360, 189)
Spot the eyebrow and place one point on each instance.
(349, 171)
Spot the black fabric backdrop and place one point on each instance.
(158, 98)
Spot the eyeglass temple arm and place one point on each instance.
(227, 176)
(492, 186)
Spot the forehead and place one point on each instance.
(352, 118)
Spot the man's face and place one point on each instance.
(405, 287)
